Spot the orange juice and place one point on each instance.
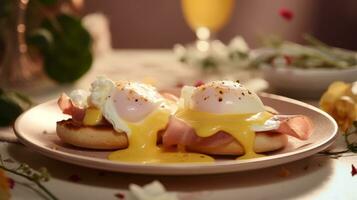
(212, 14)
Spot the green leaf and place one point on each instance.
(68, 56)
(12, 104)
(48, 2)
(40, 38)
(9, 111)
(208, 63)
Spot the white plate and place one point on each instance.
(307, 83)
(36, 128)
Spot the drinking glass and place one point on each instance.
(206, 17)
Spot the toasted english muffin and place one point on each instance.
(92, 137)
(264, 142)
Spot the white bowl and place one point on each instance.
(305, 83)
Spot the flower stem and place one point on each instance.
(43, 188)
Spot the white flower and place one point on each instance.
(238, 44)
(151, 191)
(217, 53)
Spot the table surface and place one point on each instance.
(316, 177)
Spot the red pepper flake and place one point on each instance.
(288, 59)
(11, 183)
(179, 85)
(119, 195)
(199, 83)
(354, 170)
(287, 14)
(284, 172)
(9, 160)
(74, 178)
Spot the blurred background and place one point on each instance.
(51, 46)
(160, 23)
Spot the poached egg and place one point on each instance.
(225, 106)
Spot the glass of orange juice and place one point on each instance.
(206, 17)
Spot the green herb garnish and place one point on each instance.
(37, 177)
(351, 137)
(315, 54)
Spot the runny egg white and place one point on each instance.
(79, 98)
(225, 106)
(126, 102)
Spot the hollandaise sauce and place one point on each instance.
(237, 125)
(143, 148)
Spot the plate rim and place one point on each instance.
(183, 169)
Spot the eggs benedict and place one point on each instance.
(123, 115)
(144, 126)
(225, 118)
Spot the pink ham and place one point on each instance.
(66, 105)
(298, 126)
(178, 132)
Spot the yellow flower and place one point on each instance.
(340, 101)
(4, 186)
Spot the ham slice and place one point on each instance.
(66, 105)
(180, 133)
(298, 126)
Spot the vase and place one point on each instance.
(17, 68)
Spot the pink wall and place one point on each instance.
(160, 24)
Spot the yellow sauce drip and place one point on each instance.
(143, 148)
(237, 125)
